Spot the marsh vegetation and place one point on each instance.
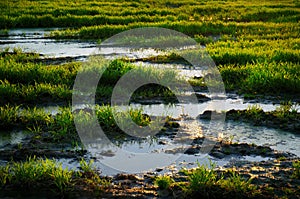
(255, 45)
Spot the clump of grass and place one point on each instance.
(164, 182)
(17, 55)
(37, 175)
(284, 113)
(90, 178)
(17, 117)
(113, 71)
(86, 166)
(30, 73)
(37, 172)
(33, 94)
(61, 127)
(262, 78)
(296, 166)
(8, 115)
(254, 112)
(208, 183)
(197, 82)
(4, 32)
(202, 179)
(237, 185)
(285, 116)
(285, 110)
(204, 39)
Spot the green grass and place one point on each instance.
(18, 55)
(163, 182)
(255, 112)
(267, 78)
(190, 28)
(206, 182)
(34, 172)
(16, 117)
(86, 166)
(236, 184)
(296, 166)
(61, 128)
(114, 70)
(30, 73)
(37, 175)
(284, 117)
(285, 112)
(254, 44)
(31, 83)
(253, 67)
(202, 179)
(33, 94)
(242, 51)
(87, 13)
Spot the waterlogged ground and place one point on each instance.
(35, 40)
(175, 149)
(171, 146)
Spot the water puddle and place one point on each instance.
(192, 110)
(34, 40)
(12, 138)
(182, 161)
(165, 154)
(152, 154)
(165, 151)
(159, 151)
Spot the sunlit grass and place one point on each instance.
(208, 183)
(34, 172)
(33, 83)
(296, 166)
(285, 116)
(164, 182)
(263, 78)
(88, 13)
(36, 175)
(61, 127)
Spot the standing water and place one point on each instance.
(35, 40)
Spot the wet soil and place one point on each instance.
(273, 179)
(272, 176)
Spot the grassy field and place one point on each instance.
(24, 80)
(255, 44)
(64, 13)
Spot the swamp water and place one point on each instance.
(152, 153)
